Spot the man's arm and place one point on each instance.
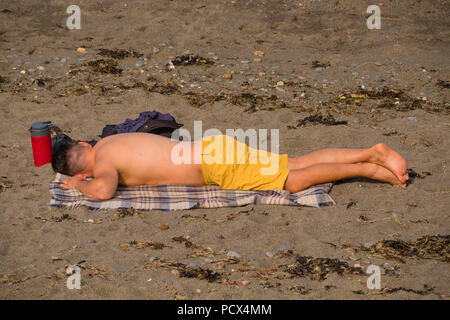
(102, 187)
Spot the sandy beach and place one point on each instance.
(311, 69)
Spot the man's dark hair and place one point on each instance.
(63, 158)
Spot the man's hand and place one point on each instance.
(71, 183)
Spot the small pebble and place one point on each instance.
(81, 50)
(198, 290)
(176, 273)
(269, 254)
(233, 254)
(412, 204)
(283, 247)
(46, 62)
(139, 64)
(45, 230)
(164, 227)
(259, 53)
(368, 244)
(40, 68)
(227, 76)
(152, 258)
(92, 241)
(245, 61)
(280, 83)
(63, 60)
(413, 119)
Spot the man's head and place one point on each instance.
(70, 157)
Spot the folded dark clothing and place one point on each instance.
(148, 121)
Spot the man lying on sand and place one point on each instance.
(145, 159)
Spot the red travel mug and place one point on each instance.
(41, 142)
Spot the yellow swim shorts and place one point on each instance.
(231, 164)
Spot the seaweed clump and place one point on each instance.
(319, 268)
(200, 273)
(104, 66)
(142, 244)
(190, 59)
(328, 120)
(427, 247)
(119, 53)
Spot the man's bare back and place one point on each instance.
(144, 159)
(132, 159)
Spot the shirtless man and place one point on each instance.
(145, 159)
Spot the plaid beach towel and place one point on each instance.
(179, 197)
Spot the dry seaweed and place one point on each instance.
(200, 273)
(319, 268)
(4, 184)
(167, 88)
(119, 53)
(351, 204)
(318, 64)
(142, 244)
(426, 290)
(185, 241)
(91, 270)
(126, 212)
(413, 175)
(427, 247)
(190, 217)
(104, 66)
(300, 290)
(328, 120)
(190, 59)
(182, 270)
(11, 279)
(393, 99)
(443, 84)
(391, 271)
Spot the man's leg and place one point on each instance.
(301, 179)
(379, 154)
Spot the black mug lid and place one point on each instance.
(40, 128)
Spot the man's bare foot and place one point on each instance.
(391, 160)
(381, 173)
